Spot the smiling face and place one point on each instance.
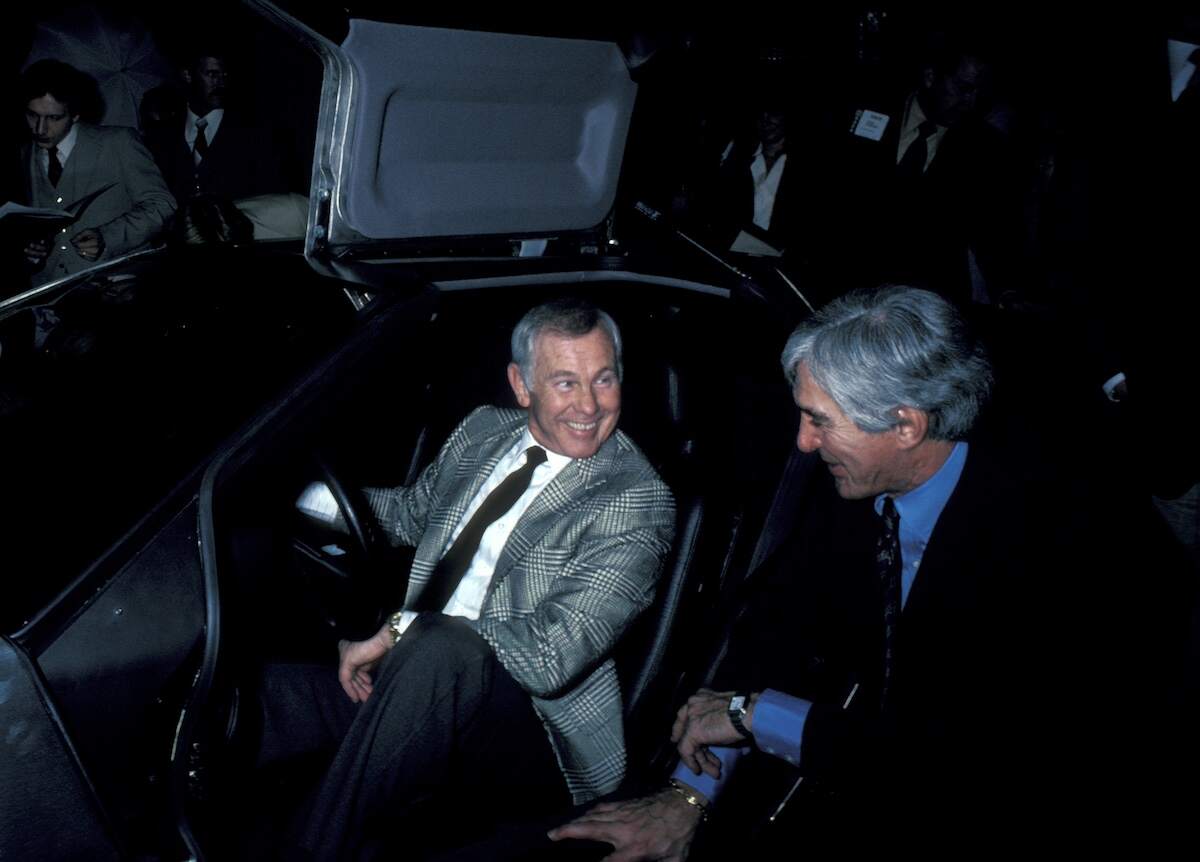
(863, 464)
(574, 398)
(49, 121)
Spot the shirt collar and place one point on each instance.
(66, 145)
(921, 507)
(553, 462)
(758, 165)
(916, 115)
(213, 117)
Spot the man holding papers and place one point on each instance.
(67, 161)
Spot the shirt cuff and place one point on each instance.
(706, 784)
(779, 724)
(406, 620)
(317, 502)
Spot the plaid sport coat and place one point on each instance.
(582, 562)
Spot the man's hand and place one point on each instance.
(37, 251)
(358, 659)
(704, 721)
(658, 827)
(89, 243)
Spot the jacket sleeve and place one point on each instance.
(403, 512)
(152, 203)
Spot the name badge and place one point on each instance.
(869, 124)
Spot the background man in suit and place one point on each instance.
(68, 160)
(214, 150)
(918, 188)
(921, 647)
(499, 682)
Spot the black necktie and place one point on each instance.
(912, 164)
(449, 572)
(887, 561)
(53, 166)
(200, 148)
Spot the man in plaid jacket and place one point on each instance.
(505, 692)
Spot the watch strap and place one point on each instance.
(738, 708)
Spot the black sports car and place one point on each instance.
(161, 413)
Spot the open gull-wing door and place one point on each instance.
(434, 133)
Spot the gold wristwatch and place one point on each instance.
(394, 627)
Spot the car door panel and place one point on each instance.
(56, 814)
(120, 671)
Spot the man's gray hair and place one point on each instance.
(876, 351)
(570, 317)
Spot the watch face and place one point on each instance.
(738, 704)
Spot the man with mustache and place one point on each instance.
(217, 150)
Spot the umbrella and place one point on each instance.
(118, 51)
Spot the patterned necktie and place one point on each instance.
(200, 147)
(53, 166)
(449, 572)
(887, 562)
(912, 165)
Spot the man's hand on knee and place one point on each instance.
(661, 826)
(358, 659)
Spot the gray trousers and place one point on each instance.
(447, 745)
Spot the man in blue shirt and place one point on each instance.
(907, 656)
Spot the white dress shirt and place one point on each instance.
(910, 130)
(64, 147)
(213, 122)
(766, 186)
(467, 600)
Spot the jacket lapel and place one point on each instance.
(472, 470)
(961, 532)
(79, 168)
(567, 491)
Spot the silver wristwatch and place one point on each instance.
(739, 710)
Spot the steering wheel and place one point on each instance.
(352, 503)
(354, 600)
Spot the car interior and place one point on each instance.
(694, 392)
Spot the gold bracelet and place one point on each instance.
(689, 796)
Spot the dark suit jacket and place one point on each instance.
(1020, 635)
(880, 228)
(242, 161)
(1143, 269)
